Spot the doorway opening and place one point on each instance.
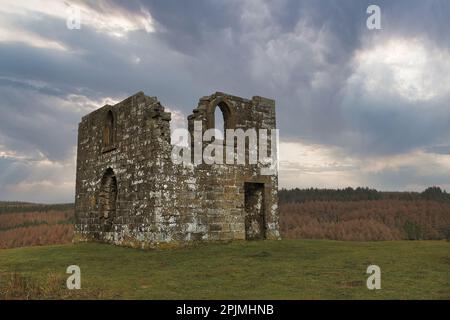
(254, 211)
(107, 200)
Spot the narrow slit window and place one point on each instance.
(108, 130)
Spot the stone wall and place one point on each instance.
(129, 191)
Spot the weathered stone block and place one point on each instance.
(129, 192)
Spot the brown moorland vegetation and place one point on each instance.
(366, 220)
(19, 287)
(348, 214)
(15, 220)
(364, 214)
(36, 236)
(25, 224)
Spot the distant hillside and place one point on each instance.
(16, 206)
(360, 214)
(364, 214)
(359, 194)
(28, 224)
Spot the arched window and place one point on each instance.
(221, 116)
(219, 121)
(108, 130)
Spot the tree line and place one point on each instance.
(358, 194)
(21, 207)
(366, 220)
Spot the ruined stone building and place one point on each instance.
(130, 192)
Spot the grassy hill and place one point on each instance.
(287, 269)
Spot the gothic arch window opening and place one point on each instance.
(219, 122)
(108, 130)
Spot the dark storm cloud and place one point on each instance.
(10, 174)
(406, 178)
(388, 125)
(31, 123)
(412, 18)
(301, 53)
(218, 50)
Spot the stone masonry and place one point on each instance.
(130, 192)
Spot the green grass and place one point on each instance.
(287, 269)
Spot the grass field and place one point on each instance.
(287, 269)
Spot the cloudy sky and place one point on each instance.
(355, 107)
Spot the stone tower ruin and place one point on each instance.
(130, 192)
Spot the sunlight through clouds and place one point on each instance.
(408, 67)
(104, 17)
